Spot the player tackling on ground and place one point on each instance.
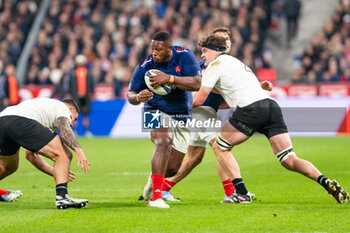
(32, 124)
(255, 111)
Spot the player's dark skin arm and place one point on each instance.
(186, 83)
(136, 98)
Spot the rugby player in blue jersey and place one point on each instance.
(177, 66)
(200, 140)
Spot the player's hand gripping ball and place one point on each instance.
(160, 90)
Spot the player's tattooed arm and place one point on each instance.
(69, 139)
(67, 134)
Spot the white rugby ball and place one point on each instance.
(160, 90)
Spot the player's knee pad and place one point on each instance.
(283, 155)
(222, 143)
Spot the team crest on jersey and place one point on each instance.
(177, 69)
(216, 63)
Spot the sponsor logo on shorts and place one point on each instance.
(244, 127)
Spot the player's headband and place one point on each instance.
(214, 47)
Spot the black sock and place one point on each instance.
(322, 181)
(61, 189)
(240, 187)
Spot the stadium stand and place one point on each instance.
(327, 58)
(16, 18)
(114, 35)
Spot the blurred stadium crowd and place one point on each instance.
(114, 36)
(327, 57)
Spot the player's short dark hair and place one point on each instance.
(162, 36)
(72, 103)
(221, 29)
(214, 42)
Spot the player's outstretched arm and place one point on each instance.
(69, 139)
(39, 162)
(43, 166)
(186, 83)
(136, 98)
(200, 97)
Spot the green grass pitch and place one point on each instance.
(286, 201)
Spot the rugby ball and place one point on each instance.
(160, 90)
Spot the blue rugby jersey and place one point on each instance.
(177, 102)
(213, 100)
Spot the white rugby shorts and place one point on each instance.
(202, 137)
